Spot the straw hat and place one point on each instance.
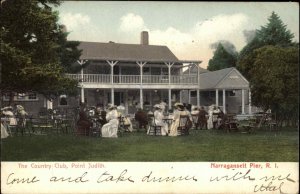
(179, 105)
(157, 106)
(195, 108)
(7, 108)
(111, 106)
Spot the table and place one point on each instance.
(169, 121)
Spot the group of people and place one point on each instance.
(213, 118)
(14, 116)
(109, 119)
(159, 116)
(113, 117)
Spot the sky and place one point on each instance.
(189, 29)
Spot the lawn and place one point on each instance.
(200, 146)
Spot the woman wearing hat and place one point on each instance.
(110, 129)
(126, 120)
(83, 123)
(179, 110)
(8, 112)
(21, 113)
(211, 119)
(158, 117)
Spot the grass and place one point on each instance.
(199, 146)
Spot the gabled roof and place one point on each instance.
(222, 79)
(126, 52)
(194, 70)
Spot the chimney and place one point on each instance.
(144, 38)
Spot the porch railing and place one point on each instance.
(134, 79)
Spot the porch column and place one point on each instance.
(169, 65)
(250, 103)
(217, 97)
(198, 97)
(112, 96)
(141, 65)
(82, 94)
(82, 88)
(151, 104)
(189, 100)
(126, 101)
(170, 97)
(224, 101)
(112, 64)
(45, 103)
(180, 96)
(243, 101)
(48, 103)
(198, 91)
(81, 63)
(141, 98)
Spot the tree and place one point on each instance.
(221, 59)
(68, 52)
(34, 51)
(275, 81)
(270, 62)
(274, 33)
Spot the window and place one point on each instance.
(63, 100)
(5, 96)
(212, 94)
(230, 93)
(32, 96)
(194, 93)
(155, 71)
(146, 70)
(21, 96)
(164, 71)
(204, 94)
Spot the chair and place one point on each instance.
(272, 122)
(95, 130)
(153, 128)
(215, 119)
(183, 122)
(248, 125)
(122, 125)
(41, 124)
(195, 118)
(229, 123)
(63, 125)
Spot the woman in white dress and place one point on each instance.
(4, 133)
(110, 129)
(127, 121)
(163, 106)
(177, 112)
(195, 110)
(158, 117)
(210, 121)
(8, 112)
(21, 113)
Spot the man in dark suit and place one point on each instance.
(202, 118)
(141, 117)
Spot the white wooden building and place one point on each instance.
(226, 88)
(137, 75)
(141, 75)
